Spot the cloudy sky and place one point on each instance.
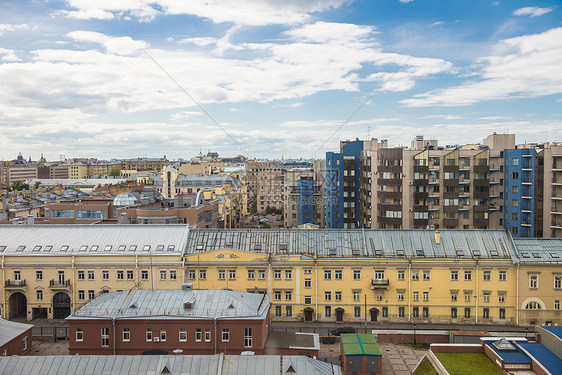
(128, 78)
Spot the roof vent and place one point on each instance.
(187, 305)
(231, 306)
(133, 305)
(290, 370)
(437, 235)
(166, 368)
(187, 286)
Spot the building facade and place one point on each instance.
(304, 193)
(265, 181)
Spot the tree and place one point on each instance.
(37, 183)
(115, 171)
(18, 186)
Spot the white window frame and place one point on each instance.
(182, 335)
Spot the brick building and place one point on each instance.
(15, 338)
(160, 321)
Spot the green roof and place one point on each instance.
(360, 344)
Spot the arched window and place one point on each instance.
(533, 306)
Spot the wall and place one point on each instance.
(15, 346)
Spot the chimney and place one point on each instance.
(123, 219)
(30, 220)
(187, 286)
(437, 237)
(15, 221)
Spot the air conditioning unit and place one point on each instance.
(156, 339)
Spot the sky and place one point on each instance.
(269, 78)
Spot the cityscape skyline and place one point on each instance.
(271, 79)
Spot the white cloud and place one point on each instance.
(531, 11)
(184, 114)
(249, 12)
(8, 55)
(438, 23)
(525, 66)
(406, 1)
(115, 45)
(13, 27)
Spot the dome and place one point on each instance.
(125, 199)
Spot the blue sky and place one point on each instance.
(127, 78)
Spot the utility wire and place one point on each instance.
(243, 151)
(361, 106)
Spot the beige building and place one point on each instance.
(304, 196)
(81, 170)
(265, 181)
(551, 190)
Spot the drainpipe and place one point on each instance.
(409, 287)
(114, 340)
(517, 296)
(316, 286)
(477, 294)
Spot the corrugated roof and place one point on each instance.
(10, 330)
(155, 365)
(538, 250)
(460, 244)
(42, 240)
(175, 304)
(360, 344)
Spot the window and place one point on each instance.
(467, 275)
(501, 297)
(144, 275)
(163, 274)
(401, 275)
(225, 335)
(454, 275)
(183, 335)
(415, 275)
(288, 274)
(39, 294)
(308, 283)
(400, 296)
(514, 203)
(307, 271)
(467, 312)
(357, 312)
(427, 275)
(261, 274)
(487, 296)
(502, 276)
(247, 337)
(277, 274)
(202, 274)
(502, 313)
(426, 296)
(337, 296)
(105, 275)
(173, 275)
(533, 306)
(487, 275)
(79, 334)
(454, 296)
(191, 274)
(453, 313)
(556, 304)
(533, 281)
(327, 311)
(338, 274)
(288, 295)
(401, 312)
(251, 274)
(198, 335)
(467, 296)
(222, 274)
(557, 282)
(308, 300)
(130, 274)
(379, 275)
(232, 274)
(289, 311)
(385, 312)
(327, 296)
(277, 295)
(126, 335)
(327, 274)
(81, 275)
(81, 295)
(105, 337)
(207, 334)
(416, 312)
(39, 275)
(148, 334)
(415, 296)
(425, 312)
(356, 295)
(120, 275)
(277, 311)
(356, 274)
(486, 313)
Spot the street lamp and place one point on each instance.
(415, 333)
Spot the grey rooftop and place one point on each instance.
(11, 330)
(218, 364)
(175, 304)
(538, 250)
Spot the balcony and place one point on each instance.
(15, 285)
(55, 285)
(379, 284)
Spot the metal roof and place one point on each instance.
(538, 250)
(93, 240)
(11, 330)
(458, 244)
(175, 304)
(218, 364)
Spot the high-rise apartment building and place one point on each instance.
(265, 181)
(549, 191)
(304, 195)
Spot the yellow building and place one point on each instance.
(51, 270)
(371, 275)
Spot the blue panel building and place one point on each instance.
(342, 186)
(519, 192)
(306, 208)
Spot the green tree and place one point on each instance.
(115, 172)
(37, 183)
(18, 186)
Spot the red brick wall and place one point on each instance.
(138, 344)
(15, 346)
(456, 349)
(400, 338)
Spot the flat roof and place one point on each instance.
(542, 355)
(175, 304)
(470, 333)
(510, 356)
(11, 330)
(92, 240)
(360, 344)
(217, 364)
(292, 340)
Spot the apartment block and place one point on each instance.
(265, 181)
(550, 190)
(304, 201)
